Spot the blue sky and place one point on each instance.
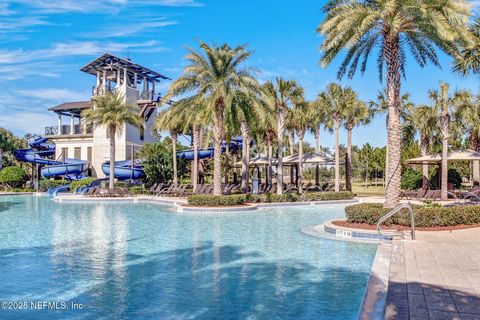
(44, 43)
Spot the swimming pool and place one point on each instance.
(126, 260)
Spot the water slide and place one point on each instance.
(124, 170)
(40, 152)
(208, 152)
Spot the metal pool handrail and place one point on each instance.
(393, 212)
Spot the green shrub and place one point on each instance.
(44, 185)
(411, 179)
(80, 183)
(22, 190)
(424, 216)
(454, 177)
(216, 201)
(13, 176)
(137, 190)
(272, 197)
(322, 196)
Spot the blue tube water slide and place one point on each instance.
(124, 170)
(39, 153)
(236, 143)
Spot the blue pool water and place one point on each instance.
(143, 261)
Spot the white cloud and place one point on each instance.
(122, 30)
(73, 49)
(105, 6)
(5, 10)
(21, 123)
(53, 94)
(19, 24)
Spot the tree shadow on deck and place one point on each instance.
(414, 300)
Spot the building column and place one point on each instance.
(59, 124)
(104, 82)
(72, 124)
(84, 125)
(135, 79)
(125, 78)
(118, 78)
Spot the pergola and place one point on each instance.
(436, 159)
(288, 161)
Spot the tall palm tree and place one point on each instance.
(468, 61)
(425, 121)
(184, 116)
(6, 143)
(380, 106)
(242, 116)
(355, 113)
(111, 111)
(333, 98)
(444, 103)
(317, 119)
(301, 121)
(215, 76)
(280, 95)
(395, 28)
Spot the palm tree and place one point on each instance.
(334, 100)
(317, 119)
(355, 112)
(444, 104)
(280, 95)
(242, 116)
(468, 61)
(182, 117)
(111, 111)
(424, 119)
(6, 143)
(301, 122)
(395, 27)
(215, 76)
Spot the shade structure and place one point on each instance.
(308, 158)
(257, 162)
(468, 155)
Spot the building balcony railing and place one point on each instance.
(66, 129)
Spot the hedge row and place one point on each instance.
(217, 201)
(424, 216)
(231, 200)
(80, 183)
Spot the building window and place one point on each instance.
(77, 153)
(142, 133)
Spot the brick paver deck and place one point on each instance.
(435, 277)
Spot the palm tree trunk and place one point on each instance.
(111, 178)
(445, 135)
(196, 143)
(348, 165)
(300, 134)
(270, 171)
(337, 156)
(282, 115)
(424, 149)
(227, 160)
(291, 141)
(1, 159)
(316, 135)
(217, 157)
(174, 156)
(245, 155)
(392, 53)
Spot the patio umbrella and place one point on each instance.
(468, 155)
(256, 162)
(308, 158)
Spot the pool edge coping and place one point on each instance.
(375, 295)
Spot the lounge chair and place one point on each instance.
(168, 189)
